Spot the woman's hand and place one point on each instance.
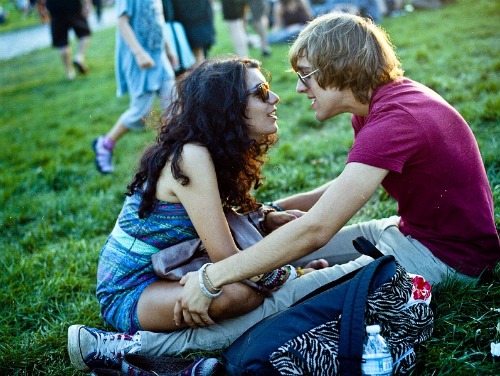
(192, 305)
(278, 219)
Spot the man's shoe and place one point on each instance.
(103, 156)
(106, 372)
(90, 348)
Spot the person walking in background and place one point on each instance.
(23, 6)
(373, 9)
(143, 67)
(41, 9)
(290, 17)
(259, 11)
(175, 34)
(320, 7)
(98, 9)
(233, 12)
(197, 17)
(66, 15)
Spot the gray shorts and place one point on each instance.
(140, 106)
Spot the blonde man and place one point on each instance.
(408, 140)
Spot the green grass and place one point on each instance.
(16, 19)
(57, 210)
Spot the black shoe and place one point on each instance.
(266, 52)
(106, 372)
(147, 365)
(80, 67)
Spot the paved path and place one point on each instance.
(23, 41)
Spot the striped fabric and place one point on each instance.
(125, 268)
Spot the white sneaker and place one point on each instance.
(91, 348)
(103, 156)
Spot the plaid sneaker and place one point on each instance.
(103, 156)
(91, 348)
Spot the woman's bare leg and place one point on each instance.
(155, 308)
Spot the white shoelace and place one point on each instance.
(113, 344)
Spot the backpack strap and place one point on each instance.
(352, 323)
(169, 14)
(177, 46)
(366, 247)
(363, 246)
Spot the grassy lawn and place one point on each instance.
(16, 19)
(57, 210)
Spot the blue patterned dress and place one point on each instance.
(125, 268)
(146, 20)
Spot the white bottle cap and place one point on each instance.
(495, 349)
(372, 329)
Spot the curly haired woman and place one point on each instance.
(206, 160)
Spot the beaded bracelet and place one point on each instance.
(204, 290)
(274, 205)
(273, 280)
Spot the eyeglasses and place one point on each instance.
(262, 90)
(303, 78)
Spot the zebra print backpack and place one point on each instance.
(322, 334)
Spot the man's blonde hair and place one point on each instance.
(349, 51)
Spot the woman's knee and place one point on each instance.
(236, 300)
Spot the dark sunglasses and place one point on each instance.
(262, 90)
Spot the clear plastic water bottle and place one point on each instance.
(377, 359)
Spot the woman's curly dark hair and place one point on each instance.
(210, 110)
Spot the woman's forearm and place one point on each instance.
(304, 200)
